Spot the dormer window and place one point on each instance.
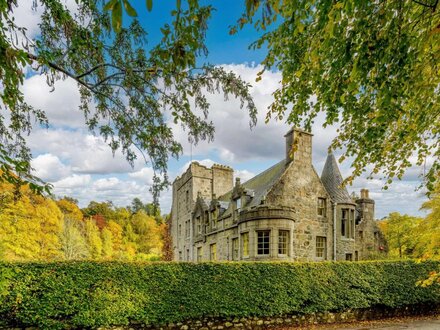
(214, 214)
(238, 203)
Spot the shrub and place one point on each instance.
(91, 294)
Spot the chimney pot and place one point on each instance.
(365, 194)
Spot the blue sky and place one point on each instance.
(82, 166)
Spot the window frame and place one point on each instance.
(263, 243)
(322, 207)
(321, 247)
(283, 242)
(213, 252)
(245, 244)
(344, 223)
(199, 253)
(235, 249)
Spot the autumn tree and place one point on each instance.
(372, 67)
(73, 242)
(70, 208)
(167, 250)
(93, 239)
(148, 233)
(29, 226)
(150, 209)
(399, 232)
(107, 243)
(129, 93)
(429, 243)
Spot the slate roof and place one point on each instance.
(331, 178)
(261, 183)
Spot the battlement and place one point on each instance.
(195, 169)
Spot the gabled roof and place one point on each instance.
(261, 183)
(332, 180)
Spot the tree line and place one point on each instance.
(414, 237)
(34, 227)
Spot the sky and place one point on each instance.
(81, 165)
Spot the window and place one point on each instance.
(322, 209)
(187, 228)
(187, 254)
(213, 252)
(283, 241)
(214, 218)
(238, 202)
(263, 243)
(352, 223)
(245, 242)
(349, 256)
(199, 254)
(344, 220)
(235, 249)
(356, 256)
(321, 247)
(199, 225)
(187, 197)
(214, 214)
(180, 255)
(180, 230)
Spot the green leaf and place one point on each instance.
(117, 17)
(109, 5)
(130, 10)
(149, 4)
(178, 4)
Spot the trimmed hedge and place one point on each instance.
(89, 294)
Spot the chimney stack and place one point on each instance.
(365, 194)
(298, 146)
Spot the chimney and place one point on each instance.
(365, 194)
(298, 146)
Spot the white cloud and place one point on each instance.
(144, 175)
(244, 175)
(73, 181)
(81, 165)
(84, 152)
(234, 141)
(60, 105)
(49, 168)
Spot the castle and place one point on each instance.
(286, 213)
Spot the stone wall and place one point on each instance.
(300, 187)
(198, 180)
(292, 320)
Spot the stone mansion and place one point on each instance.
(286, 212)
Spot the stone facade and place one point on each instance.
(286, 213)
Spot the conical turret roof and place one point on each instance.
(332, 179)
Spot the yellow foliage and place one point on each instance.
(70, 209)
(29, 226)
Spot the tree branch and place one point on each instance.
(60, 69)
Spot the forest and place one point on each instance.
(38, 228)
(414, 237)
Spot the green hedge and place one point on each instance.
(88, 294)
